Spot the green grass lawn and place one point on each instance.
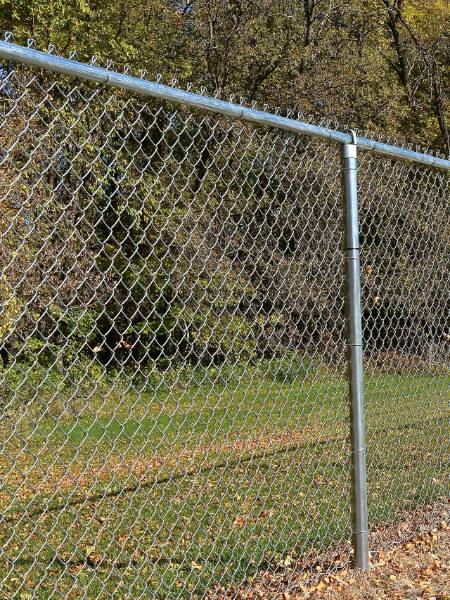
(170, 492)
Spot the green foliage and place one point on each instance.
(378, 64)
(201, 239)
(10, 308)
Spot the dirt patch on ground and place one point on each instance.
(409, 561)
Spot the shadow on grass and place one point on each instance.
(101, 495)
(168, 479)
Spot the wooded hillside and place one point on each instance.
(140, 232)
(375, 64)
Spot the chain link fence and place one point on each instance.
(174, 410)
(405, 266)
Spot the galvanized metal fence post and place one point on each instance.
(355, 357)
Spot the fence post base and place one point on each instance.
(355, 357)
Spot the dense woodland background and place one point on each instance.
(376, 64)
(136, 233)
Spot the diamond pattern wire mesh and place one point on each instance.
(174, 407)
(174, 399)
(405, 265)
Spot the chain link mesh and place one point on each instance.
(174, 399)
(405, 252)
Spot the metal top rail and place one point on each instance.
(101, 75)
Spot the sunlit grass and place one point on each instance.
(172, 490)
